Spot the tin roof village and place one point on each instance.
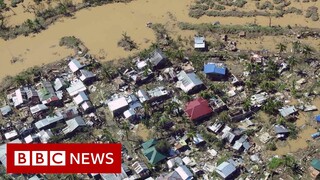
(179, 115)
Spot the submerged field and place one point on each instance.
(100, 28)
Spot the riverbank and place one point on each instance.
(110, 22)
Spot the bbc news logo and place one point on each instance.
(63, 158)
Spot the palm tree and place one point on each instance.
(281, 47)
(126, 127)
(306, 51)
(292, 61)
(296, 45)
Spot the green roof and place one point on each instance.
(149, 144)
(153, 155)
(315, 163)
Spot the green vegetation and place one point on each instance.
(2, 4)
(163, 147)
(312, 12)
(272, 106)
(127, 43)
(69, 41)
(234, 29)
(275, 163)
(271, 146)
(15, 2)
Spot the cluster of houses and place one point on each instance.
(61, 106)
(49, 109)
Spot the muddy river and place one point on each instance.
(100, 28)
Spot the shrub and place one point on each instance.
(275, 163)
(15, 2)
(69, 41)
(271, 146)
(197, 13)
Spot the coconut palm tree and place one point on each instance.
(292, 61)
(281, 47)
(296, 45)
(306, 51)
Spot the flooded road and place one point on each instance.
(100, 28)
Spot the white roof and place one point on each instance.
(11, 134)
(187, 81)
(45, 135)
(48, 120)
(76, 87)
(184, 172)
(74, 65)
(141, 64)
(28, 139)
(287, 110)
(170, 163)
(186, 160)
(80, 98)
(18, 99)
(199, 42)
(225, 169)
(37, 108)
(128, 113)
(73, 124)
(143, 96)
(117, 104)
(86, 74)
(86, 105)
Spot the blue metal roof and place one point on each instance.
(317, 118)
(213, 69)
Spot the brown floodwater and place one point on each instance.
(100, 28)
(307, 125)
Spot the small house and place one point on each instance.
(216, 127)
(189, 82)
(46, 92)
(242, 34)
(80, 98)
(199, 42)
(75, 65)
(19, 97)
(281, 131)
(288, 112)
(59, 84)
(86, 107)
(11, 134)
(242, 144)
(259, 99)
(215, 71)
(143, 96)
(73, 125)
(151, 153)
(226, 169)
(49, 121)
(76, 87)
(37, 109)
(118, 106)
(33, 97)
(198, 140)
(87, 77)
(198, 109)
(6, 110)
(158, 94)
(184, 172)
(141, 169)
(158, 59)
(44, 135)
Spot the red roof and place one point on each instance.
(198, 108)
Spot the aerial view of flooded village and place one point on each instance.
(192, 89)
